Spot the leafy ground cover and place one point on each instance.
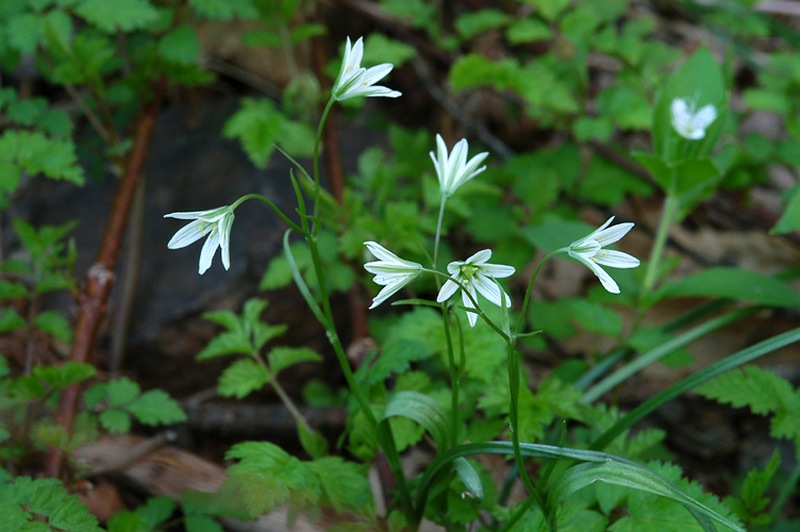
(523, 265)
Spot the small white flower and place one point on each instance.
(691, 124)
(453, 170)
(476, 275)
(216, 223)
(390, 271)
(590, 251)
(354, 81)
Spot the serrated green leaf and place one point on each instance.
(260, 125)
(224, 9)
(180, 46)
(46, 499)
(59, 377)
(122, 391)
(155, 407)
(312, 441)
(227, 343)
(344, 485)
(25, 32)
(115, 421)
(242, 378)
(281, 358)
(473, 23)
(734, 283)
(266, 477)
(55, 324)
(119, 15)
(528, 30)
(475, 70)
(156, 510)
(201, 523)
(10, 321)
(378, 48)
(127, 521)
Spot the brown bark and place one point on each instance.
(100, 278)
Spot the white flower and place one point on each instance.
(354, 81)
(688, 123)
(590, 251)
(216, 223)
(454, 170)
(475, 274)
(390, 271)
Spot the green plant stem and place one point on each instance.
(513, 385)
(272, 207)
(668, 213)
(282, 395)
(455, 373)
(317, 142)
(438, 234)
(526, 301)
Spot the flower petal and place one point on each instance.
(479, 258)
(605, 279)
(208, 251)
(613, 233)
(446, 292)
(616, 259)
(189, 234)
(472, 317)
(498, 271)
(490, 290)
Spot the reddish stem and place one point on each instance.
(100, 278)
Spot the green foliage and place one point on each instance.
(124, 15)
(260, 126)
(752, 504)
(267, 477)
(42, 504)
(119, 400)
(765, 393)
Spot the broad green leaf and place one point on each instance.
(473, 23)
(180, 45)
(121, 391)
(155, 407)
(119, 15)
(344, 485)
(378, 48)
(25, 32)
(127, 521)
(528, 30)
(548, 9)
(281, 358)
(790, 220)
(59, 377)
(423, 410)
(734, 283)
(156, 510)
(475, 70)
(55, 324)
(242, 378)
(226, 343)
(10, 320)
(115, 421)
(225, 9)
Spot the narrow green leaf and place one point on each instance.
(470, 477)
(734, 283)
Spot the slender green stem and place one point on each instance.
(455, 372)
(513, 385)
(526, 301)
(282, 395)
(438, 234)
(668, 213)
(272, 207)
(317, 143)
